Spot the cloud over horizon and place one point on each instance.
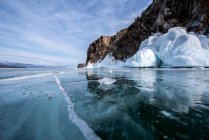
(59, 31)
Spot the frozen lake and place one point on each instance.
(108, 104)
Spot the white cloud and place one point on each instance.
(61, 29)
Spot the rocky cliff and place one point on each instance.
(160, 16)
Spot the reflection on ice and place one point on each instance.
(171, 93)
(176, 90)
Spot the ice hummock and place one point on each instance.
(177, 48)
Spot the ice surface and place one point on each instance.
(107, 81)
(34, 109)
(143, 103)
(25, 77)
(176, 48)
(6, 73)
(81, 124)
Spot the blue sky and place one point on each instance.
(58, 32)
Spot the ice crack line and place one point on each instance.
(81, 124)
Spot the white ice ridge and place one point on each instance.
(177, 48)
(107, 81)
(81, 124)
(25, 77)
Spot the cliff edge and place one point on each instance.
(160, 16)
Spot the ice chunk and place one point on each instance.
(185, 50)
(107, 81)
(143, 58)
(176, 48)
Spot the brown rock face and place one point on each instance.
(98, 49)
(160, 16)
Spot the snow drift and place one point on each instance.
(177, 48)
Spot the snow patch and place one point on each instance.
(107, 81)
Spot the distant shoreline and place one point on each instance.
(11, 67)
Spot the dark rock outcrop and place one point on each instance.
(160, 16)
(82, 65)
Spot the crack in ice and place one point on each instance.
(81, 124)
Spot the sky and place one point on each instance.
(58, 32)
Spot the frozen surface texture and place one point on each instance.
(107, 104)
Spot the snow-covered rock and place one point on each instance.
(177, 48)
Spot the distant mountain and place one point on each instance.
(21, 65)
(160, 16)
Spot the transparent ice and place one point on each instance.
(139, 104)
